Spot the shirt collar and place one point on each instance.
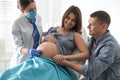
(101, 38)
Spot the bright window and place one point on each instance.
(8, 13)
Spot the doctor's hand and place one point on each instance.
(34, 52)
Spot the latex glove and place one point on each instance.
(34, 52)
(46, 33)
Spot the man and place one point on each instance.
(104, 61)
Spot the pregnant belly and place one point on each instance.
(49, 49)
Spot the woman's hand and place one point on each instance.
(50, 39)
(59, 59)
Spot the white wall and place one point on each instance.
(56, 8)
(8, 13)
(52, 11)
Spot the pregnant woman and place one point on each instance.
(58, 45)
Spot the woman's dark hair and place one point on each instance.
(24, 3)
(78, 16)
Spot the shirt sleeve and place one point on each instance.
(17, 37)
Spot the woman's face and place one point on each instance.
(69, 21)
(30, 8)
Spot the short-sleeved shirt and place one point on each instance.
(65, 43)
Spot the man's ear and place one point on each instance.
(105, 26)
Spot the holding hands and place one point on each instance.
(60, 59)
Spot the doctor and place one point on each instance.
(27, 31)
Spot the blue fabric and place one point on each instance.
(38, 68)
(36, 35)
(31, 15)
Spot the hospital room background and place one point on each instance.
(51, 12)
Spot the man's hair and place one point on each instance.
(102, 16)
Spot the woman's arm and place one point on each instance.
(82, 47)
(76, 67)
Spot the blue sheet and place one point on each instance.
(38, 68)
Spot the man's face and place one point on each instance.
(95, 28)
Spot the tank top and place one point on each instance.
(65, 43)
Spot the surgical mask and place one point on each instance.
(31, 15)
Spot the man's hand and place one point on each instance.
(59, 59)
